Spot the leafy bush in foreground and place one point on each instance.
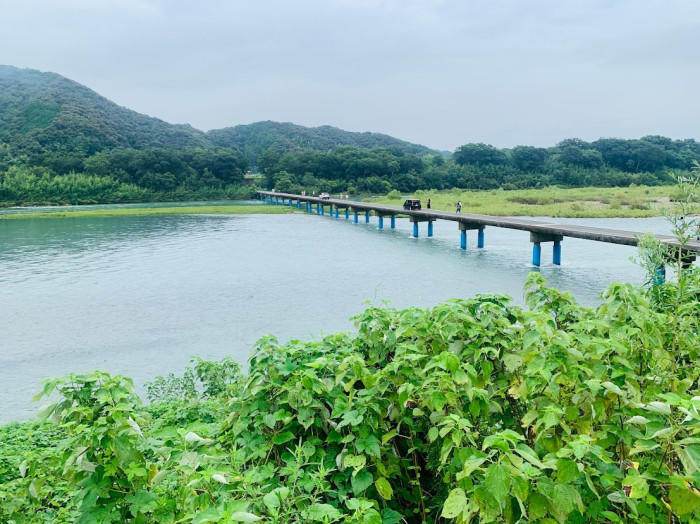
(474, 411)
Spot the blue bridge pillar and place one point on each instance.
(355, 219)
(537, 239)
(393, 222)
(366, 217)
(323, 210)
(277, 201)
(318, 209)
(659, 276)
(298, 204)
(430, 228)
(463, 228)
(480, 238)
(556, 253)
(415, 230)
(347, 213)
(380, 222)
(536, 253)
(336, 212)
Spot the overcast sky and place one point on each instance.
(437, 72)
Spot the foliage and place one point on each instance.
(477, 410)
(634, 201)
(254, 140)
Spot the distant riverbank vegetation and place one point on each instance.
(571, 163)
(124, 175)
(476, 410)
(588, 202)
(162, 174)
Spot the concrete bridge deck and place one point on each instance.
(539, 231)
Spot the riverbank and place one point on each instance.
(169, 210)
(587, 202)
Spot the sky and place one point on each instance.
(436, 72)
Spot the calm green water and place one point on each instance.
(141, 295)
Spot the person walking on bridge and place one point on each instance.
(428, 203)
(459, 207)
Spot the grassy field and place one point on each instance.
(590, 202)
(175, 210)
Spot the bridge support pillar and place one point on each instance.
(480, 238)
(318, 209)
(537, 239)
(323, 210)
(536, 254)
(277, 201)
(430, 228)
(298, 204)
(347, 213)
(336, 212)
(393, 222)
(366, 217)
(556, 253)
(415, 230)
(463, 228)
(380, 222)
(659, 275)
(355, 218)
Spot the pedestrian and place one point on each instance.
(428, 203)
(459, 207)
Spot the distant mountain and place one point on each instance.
(49, 112)
(254, 139)
(44, 113)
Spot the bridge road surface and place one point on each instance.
(543, 230)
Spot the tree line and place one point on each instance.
(123, 175)
(129, 174)
(572, 163)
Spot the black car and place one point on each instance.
(411, 204)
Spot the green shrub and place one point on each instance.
(475, 410)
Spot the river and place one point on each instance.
(139, 296)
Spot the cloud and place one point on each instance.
(440, 72)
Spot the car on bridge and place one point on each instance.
(411, 204)
(324, 196)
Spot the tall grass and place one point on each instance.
(589, 202)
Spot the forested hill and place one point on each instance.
(45, 112)
(281, 137)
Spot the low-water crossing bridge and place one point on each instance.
(540, 232)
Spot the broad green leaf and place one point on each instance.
(388, 436)
(322, 513)
(283, 437)
(567, 471)
(455, 504)
(361, 481)
(683, 501)
(432, 434)
(638, 486)
(389, 516)
(384, 488)
(497, 481)
(207, 515)
(368, 445)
